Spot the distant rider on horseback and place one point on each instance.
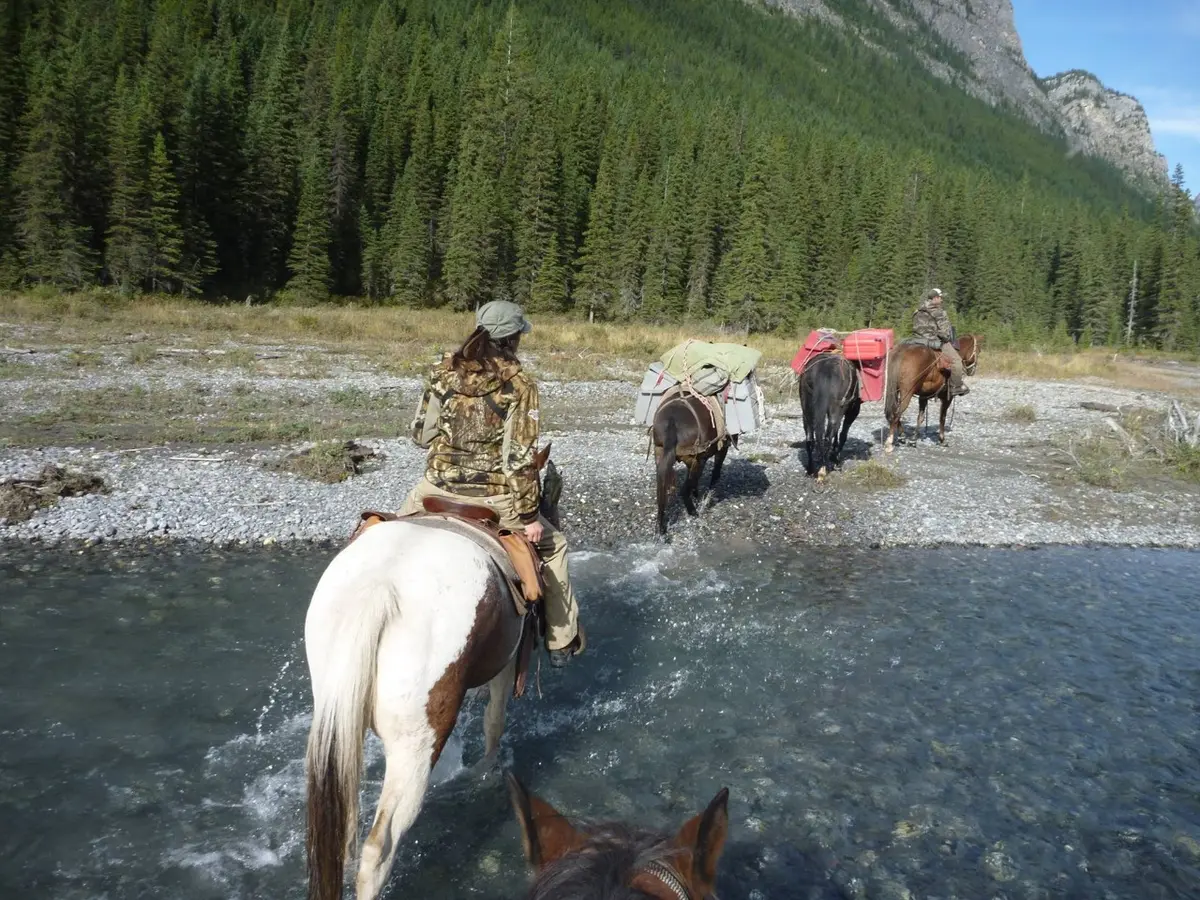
(478, 418)
(931, 322)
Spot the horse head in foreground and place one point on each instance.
(919, 371)
(408, 617)
(617, 862)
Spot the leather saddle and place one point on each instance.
(944, 363)
(513, 553)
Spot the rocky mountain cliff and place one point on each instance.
(974, 43)
(1106, 123)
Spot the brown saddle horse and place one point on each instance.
(924, 373)
(686, 430)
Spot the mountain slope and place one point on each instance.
(975, 45)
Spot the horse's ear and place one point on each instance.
(703, 838)
(545, 832)
(539, 458)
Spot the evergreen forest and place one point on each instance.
(623, 160)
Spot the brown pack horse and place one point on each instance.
(616, 862)
(684, 431)
(403, 622)
(913, 371)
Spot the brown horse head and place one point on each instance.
(968, 349)
(618, 862)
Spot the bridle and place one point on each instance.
(671, 880)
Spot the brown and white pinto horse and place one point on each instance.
(403, 622)
(913, 371)
(616, 862)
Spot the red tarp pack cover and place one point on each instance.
(867, 348)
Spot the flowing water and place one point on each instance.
(934, 724)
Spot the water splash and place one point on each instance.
(273, 693)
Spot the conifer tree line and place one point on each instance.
(648, 160)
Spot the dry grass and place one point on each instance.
(20, 498)
(330, 462)
(1142, 451)
(1020, 414)
(1101, 365)
(405, 341)
(125, 417)
(872, 475)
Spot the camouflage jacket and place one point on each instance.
(932, 322)
(481, 429)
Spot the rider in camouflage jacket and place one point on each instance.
(486, 433)
(478, 418)
(931, 322)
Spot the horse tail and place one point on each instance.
(666, 467)
(891, 400)
(334, 757)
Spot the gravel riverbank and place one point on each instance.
(997, 482)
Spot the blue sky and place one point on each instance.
(1149, 49)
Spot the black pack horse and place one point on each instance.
(685, 430)
(829, 397)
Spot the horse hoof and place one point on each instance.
(821, 473)
(486, 766)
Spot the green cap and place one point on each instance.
(502, 319)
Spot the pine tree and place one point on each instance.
(269, 200)
(308, 261)
(480, 197)
(345, 139)
(1177, 302)
(596, 283)
(128, 244)
(536, 228)
(51, 224)
(744, 278)
(410, 237)
(166, 235)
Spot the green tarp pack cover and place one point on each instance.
(708, 367)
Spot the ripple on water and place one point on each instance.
(934, 723)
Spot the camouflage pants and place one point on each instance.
(562, 610)
(956, 367)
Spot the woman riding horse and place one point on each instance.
(478, 418)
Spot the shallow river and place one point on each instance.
(1001, 724)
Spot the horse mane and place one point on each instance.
(603, 867)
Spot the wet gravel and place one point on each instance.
(994, 483)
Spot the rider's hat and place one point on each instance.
(502, 319)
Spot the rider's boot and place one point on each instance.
(562, 656)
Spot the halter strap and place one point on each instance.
(668, 877)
